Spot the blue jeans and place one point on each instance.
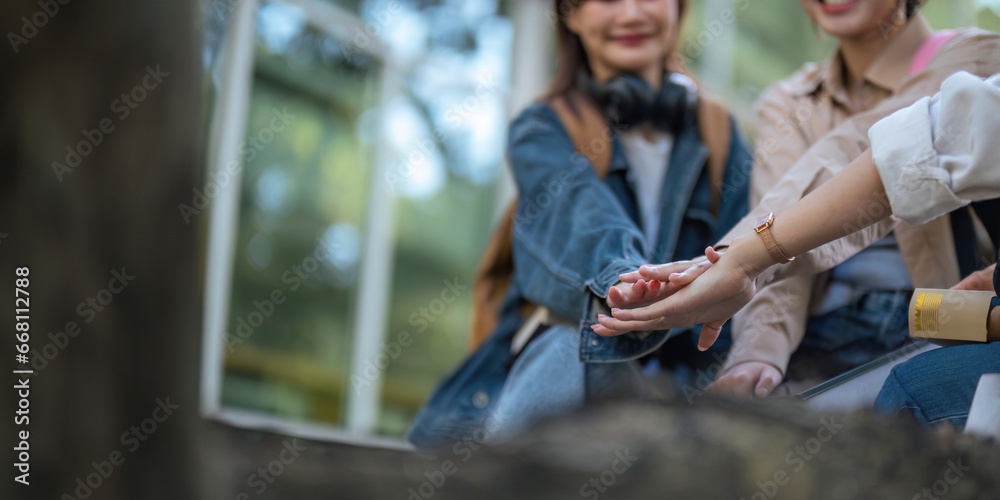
(548, 379)
(938, 386)
(873, 324)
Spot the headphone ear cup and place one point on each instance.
(624, 99)
(671, 106)
(633, 99)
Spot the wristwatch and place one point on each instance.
(763, 228)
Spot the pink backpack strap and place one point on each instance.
(929, 48)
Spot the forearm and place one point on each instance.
(851, 200)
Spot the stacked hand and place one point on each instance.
(722, 287)
(707, 290)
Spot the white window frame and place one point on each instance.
(227, 130)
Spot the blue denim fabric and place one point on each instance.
(574, 233)
(553, 357)
(937, 386)
(873, 323)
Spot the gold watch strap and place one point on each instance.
(773, 247)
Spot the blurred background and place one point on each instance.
(398, 144)
(303, 200)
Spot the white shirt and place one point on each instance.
(942, 152)
(647, 160)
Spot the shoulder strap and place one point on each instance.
(714, 128)
(587, 129)
(929, 49)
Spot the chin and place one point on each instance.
(846, 28)
(855, 21)
(631, 61)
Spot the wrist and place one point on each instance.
(750, 253)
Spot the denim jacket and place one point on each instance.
(574, 233)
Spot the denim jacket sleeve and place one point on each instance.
(572, 237)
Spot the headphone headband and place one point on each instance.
(626, 99)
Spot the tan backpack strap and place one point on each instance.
(492, 278)
(587, 129)
(714, 128)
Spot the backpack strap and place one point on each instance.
(492, 279)
(929, 49)
(586, 128)
(715, 130)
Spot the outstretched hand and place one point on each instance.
(979, 280)
(722, 289)
(753, 378)
(639, 293)
(679, 273)
(653, 282)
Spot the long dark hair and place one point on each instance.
(572, 57)
(912, 6)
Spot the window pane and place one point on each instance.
(447, 138)
(301, 220)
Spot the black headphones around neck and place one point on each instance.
(627, 99)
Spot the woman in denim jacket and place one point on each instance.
(574, 233)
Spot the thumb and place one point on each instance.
(709, 333)
(712, 255)
(615, 297)
(765, 385)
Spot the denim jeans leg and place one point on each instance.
(547, 379)
(873, 324)
(938, 386)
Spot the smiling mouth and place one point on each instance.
(834, 6)
(630, 39)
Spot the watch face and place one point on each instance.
(762, 222)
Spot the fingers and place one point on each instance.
(630, 277)
(738, 383)
(769, 379)
(689, 274)
(613, 326)
(637, 291)
(979, 280)
(968, 283)
(605, 331)
(651, 312)
(749, 379)
(615, 297)
(709, 333)
(642, 292)
(662, 272)
(712, 255)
